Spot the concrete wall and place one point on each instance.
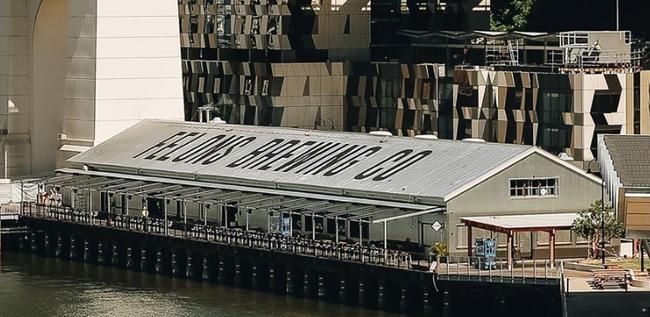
(49, 70)
(126, 67)
(87, 69)
(492, 197)
(16, 20)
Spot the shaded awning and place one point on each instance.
(242, 197)
(530, 222)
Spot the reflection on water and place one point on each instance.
(38, 286)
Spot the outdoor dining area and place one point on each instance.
(236, 236)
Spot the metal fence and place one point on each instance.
(469, 268)
(231, 236)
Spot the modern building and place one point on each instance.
(318, 65)
(625, 167)
(561, 112)
(74, 73)
(547, 90)
(329, 185)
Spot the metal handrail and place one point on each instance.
(274, 242)
(467, 268)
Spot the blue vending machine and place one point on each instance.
(486, 253)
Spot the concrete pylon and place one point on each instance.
(77, 72)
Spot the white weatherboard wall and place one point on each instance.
(125, 67)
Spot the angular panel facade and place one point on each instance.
(562, 113)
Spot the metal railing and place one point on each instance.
(342, 251)
(585, 58)
(476, 268)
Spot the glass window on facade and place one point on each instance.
(534, 187)
(461, 236)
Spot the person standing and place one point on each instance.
(145, 215)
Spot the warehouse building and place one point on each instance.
(394, 192)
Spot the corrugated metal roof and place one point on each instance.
(355, 164)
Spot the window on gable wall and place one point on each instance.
(534, 187)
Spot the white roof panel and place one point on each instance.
(353, 164)
(548, 220)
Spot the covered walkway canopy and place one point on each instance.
(510, 224)
(344, 210)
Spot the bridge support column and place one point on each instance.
(144, 260)
(21, 242)
(446, 308)
(307, 285)
(361, 296)
(501, 304)
(73, 248)
(47, 244)
(174, 264)
(130, 265)
(272, 279)
(322, 287)
(381, 295)
(206, 268)
(58, 252)
(427, 307)
(343, 290)
(255, 279)
(86, 251)
(115, 255)
(289, 287)
(221, 270)
(238, 273)
(160, 265)
(33, 242)
(403, 300)
(101, 255)
(190, 266)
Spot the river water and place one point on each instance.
(37, 286)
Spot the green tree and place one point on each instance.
(588, 226)
(510, 15)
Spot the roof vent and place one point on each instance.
(426, 137)
(565, 157)
(218, 120)
(381, 133)
(474, 140)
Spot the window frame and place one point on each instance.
(529, 187)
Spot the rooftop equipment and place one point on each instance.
(426, 137)
(381, 133)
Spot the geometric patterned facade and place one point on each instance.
(341, 65)
(562, 113)
(329, 96)
(314, 63)
(559, 112)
